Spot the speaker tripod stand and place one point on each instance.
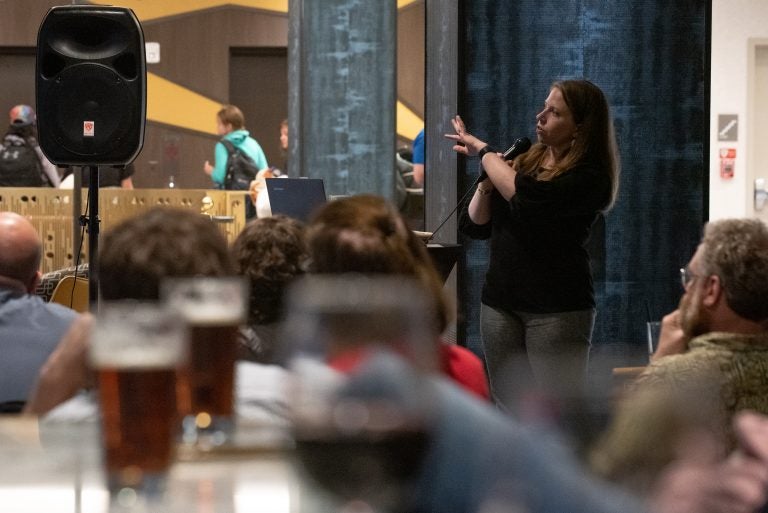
(91, 98)
(91, 221)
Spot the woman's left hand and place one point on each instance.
(466, 143)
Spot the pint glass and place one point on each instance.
(136, 350)
(360, 352)
(214, 309)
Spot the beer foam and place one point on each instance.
(152, 354)
(213, 314)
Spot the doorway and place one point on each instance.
(757, 151)
(258, 84)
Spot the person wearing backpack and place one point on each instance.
(22, 163)
(238, 157)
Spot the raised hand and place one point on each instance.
(672, 339)
(466, 143)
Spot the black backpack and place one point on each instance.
(19, 164)
(241, 169)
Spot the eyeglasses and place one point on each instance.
(686, 276)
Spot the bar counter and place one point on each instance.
(56, 467)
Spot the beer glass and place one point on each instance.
(360, 350)
(135, 350)
(214, 308)
(653, 330)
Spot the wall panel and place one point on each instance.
(649, 56)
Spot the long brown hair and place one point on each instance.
(366, 234)
(595, 139)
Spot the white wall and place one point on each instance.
(733, 23)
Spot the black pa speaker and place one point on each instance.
(91, 85)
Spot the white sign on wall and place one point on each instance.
(153, 52)
(727, 127)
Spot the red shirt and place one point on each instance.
(458, 363)
(465, 368)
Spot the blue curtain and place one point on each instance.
(651, 59)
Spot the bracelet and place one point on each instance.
(483, 192)
(485, 149)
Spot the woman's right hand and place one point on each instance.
(466, 143)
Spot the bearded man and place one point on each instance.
(725, 305)
(711, 363)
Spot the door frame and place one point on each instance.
(753, 45)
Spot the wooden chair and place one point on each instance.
(72, 292)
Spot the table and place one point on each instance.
(56, 468)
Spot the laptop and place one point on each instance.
(295, 197)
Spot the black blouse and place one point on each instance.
(538, 261)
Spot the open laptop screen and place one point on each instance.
(295, 197)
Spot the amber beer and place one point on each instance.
(210, 374)
(136, 351)
(214, 308)
(139, 419)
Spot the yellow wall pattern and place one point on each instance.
(153, 9)
(172, 104)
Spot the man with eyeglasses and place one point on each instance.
(726, 292)
(711, 363)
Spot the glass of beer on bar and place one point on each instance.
(214, 308)
(360, 351)
(136, 350)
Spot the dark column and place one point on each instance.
(342, 93)
(440, 193)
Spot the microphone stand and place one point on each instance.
(482, 176)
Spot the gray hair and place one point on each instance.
(736, 250)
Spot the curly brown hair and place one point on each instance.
(271, 253)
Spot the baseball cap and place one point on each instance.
(22, 115)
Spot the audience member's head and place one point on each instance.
(271, 253)
(22, 121)
(139, 252)
(20, 252)
(365, 234)
(22, 115)
(231, 117)
(727, 278)
(284, 135)
(676, 425)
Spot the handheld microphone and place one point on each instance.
(518, 147)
